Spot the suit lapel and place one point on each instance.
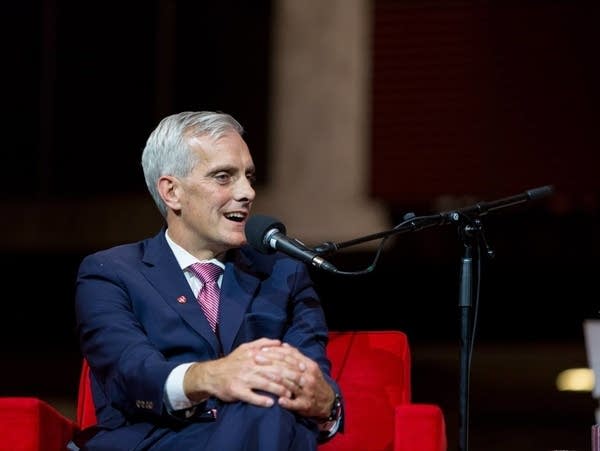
(163, 272)
(237, 290)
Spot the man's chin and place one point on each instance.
(236, 240)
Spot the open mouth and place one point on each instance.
(236, 216)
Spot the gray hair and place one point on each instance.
(167, 151)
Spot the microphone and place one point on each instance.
(267, 234)
(538, 193)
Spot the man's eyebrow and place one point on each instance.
(223, 167)
(231, 168)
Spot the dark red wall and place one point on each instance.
(485, 99)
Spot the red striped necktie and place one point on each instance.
(208, 297)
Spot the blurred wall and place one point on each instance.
(356, 111)
(319, 125)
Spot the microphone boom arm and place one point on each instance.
(415, 223)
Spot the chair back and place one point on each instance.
(86, 412)
(373, 370)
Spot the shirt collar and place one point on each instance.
(184, 258)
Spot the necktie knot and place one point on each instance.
(207, 272)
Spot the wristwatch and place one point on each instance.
(334, 414)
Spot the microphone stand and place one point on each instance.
(470, 230)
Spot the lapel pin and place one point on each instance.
(182, 299)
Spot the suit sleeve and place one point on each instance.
(309, 333)
(129, 370)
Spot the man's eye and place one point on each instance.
(223, 177)
(251, 178)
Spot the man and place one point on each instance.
(249, 374)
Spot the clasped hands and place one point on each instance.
(259, 368)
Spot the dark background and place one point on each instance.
(471, 101)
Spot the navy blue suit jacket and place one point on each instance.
(137, 319)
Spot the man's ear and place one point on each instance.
(169, 190)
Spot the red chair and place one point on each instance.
(372, 367)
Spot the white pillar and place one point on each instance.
(319, 161)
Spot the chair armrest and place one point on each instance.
(30, 424)
(419, 427)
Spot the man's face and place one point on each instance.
(216, 197)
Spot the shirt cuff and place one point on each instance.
(175, 397)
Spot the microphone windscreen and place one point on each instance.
(256, 229)
(538, 193)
